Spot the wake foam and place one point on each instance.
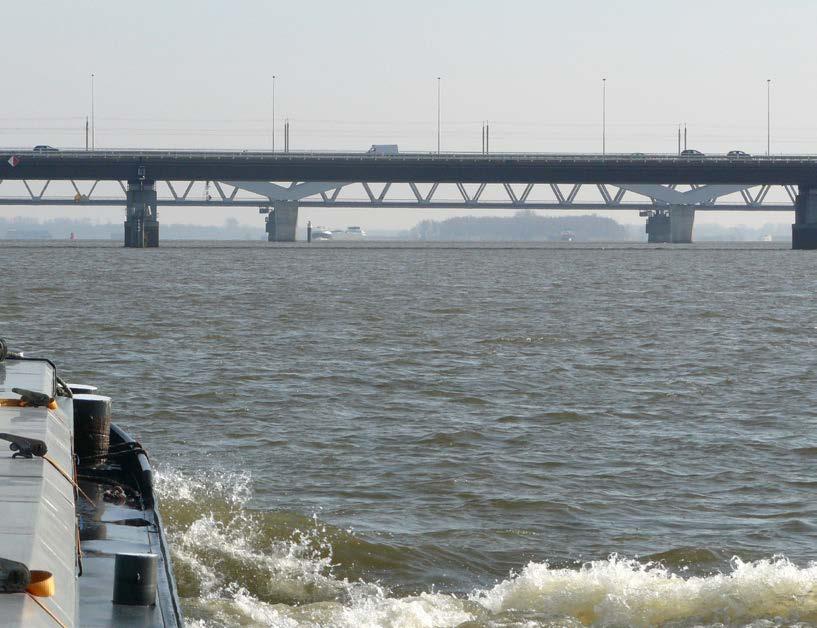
(620, 592)
(236, 566)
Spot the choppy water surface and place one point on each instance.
(465, 436)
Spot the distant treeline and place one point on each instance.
(26, 228)
(525, 225)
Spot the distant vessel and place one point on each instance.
(351, 233)
(321, 233)
(567, 236)
(766, 238)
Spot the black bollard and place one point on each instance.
(92, 427)
(134, 579)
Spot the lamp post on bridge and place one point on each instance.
(273, 113)
(486, 138)
(438, 115)
(604, 116)
(768, 117)
(93, 126)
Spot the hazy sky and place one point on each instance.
(353, 73)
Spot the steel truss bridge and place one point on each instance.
(424, 196)
(666, 189)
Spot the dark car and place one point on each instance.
(43, 148)
(737, 153)
(691, 152)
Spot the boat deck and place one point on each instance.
(120, 521)
(37, 527)
(44, 519)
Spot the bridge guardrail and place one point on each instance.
(406, 156)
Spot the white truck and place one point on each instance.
(383, 149)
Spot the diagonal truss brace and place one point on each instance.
(36, 196)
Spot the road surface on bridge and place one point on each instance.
(407, 167)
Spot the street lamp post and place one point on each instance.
(768, 117)
(438, 115)
(273, 113)
(93, 125)
(604, 116)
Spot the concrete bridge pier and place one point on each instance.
(658, 227)
(672, 225)
(141, 218)
(804, 229)
(282, 209)
(282, 221)
(682, 219)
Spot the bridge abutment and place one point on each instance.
(673, 225)
(141, 218)
(282, 221)
(804, 229)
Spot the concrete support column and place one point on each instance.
(671, 225)
(682, 219)
(141, 218)
(282, 221)
(804, 229)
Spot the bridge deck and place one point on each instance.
(407, 167)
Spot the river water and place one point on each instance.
(466, 435)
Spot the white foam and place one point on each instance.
(614, 592)
(625, 592)
(426, 610)
(234, 489)
(216, 547)
(261, 613)
(233, 565)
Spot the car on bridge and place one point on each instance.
(691, 152)
(737, 154)
(44, 148)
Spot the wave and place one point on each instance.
(625, 592)
(236, 566)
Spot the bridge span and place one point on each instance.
(279, 183)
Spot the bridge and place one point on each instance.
(279, 183)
